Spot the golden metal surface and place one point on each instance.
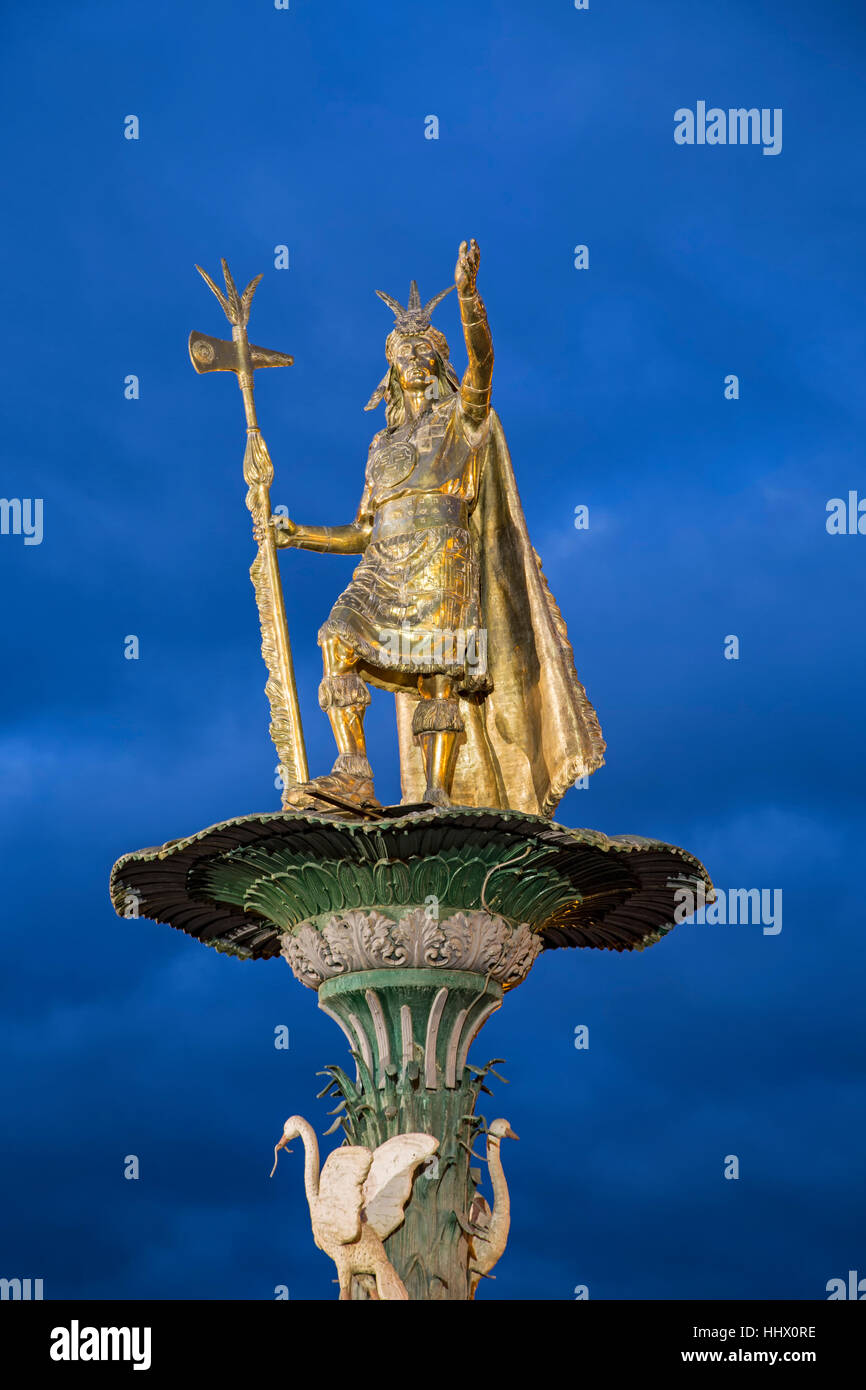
(241, 357)
(448, 605)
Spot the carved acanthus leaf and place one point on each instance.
(358, 940)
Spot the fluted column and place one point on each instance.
(410, 1017)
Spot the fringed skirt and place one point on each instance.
(413, 606)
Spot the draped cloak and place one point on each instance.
(527, 740)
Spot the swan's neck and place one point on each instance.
(499, 1217)
(311, 1160)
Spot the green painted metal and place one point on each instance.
(289, 888)
(407, 1090)
(238, 885)
(244, 885)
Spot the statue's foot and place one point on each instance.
(349, 781)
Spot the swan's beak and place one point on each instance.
(509, 1134)
(282, 1145)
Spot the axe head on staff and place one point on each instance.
(224, 355)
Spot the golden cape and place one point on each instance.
(535, 733)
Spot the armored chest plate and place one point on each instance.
(391, 465)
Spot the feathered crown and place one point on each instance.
(415, 318)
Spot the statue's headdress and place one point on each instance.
(415, 318)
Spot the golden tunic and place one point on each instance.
(413, 605)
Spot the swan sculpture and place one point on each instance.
(490, 1228)
(358, 1199)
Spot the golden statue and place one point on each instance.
(448, 608)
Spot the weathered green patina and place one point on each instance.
(240, 884)
(410, 927)
(403, 1085)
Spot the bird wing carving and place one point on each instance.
(337, 1215)
(479, 1215)
(389, 1186)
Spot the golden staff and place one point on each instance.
(242, 357)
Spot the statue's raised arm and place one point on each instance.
(477, 379)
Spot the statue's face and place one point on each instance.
(415, 361)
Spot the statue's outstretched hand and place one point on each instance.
(466, 268)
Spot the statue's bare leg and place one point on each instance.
(344, 697)
(437, 725)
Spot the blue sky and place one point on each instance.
(707, 518)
